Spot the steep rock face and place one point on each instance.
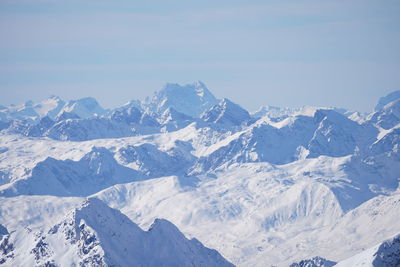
(338, 136)
(96, 235)
(383, 255)
(388, 253)
(388, 116)
(65, 116)
(41, 128)
(95, 171)
(383, 101)
(6, 246)
(388, 144)
(129, 115)
(191, 99)
(172, 120)
(314, 262)
(17, 127)
(226, 113)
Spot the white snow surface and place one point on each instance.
(384, 254)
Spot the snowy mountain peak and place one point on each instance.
(190, 99)
(200, 88)
(54, 97)
(50, 107)
(28, 103)
(388, 116)
(227, 113)
(130, 114)
(84, 107)
(383, 101)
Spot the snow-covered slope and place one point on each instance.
(385, 254)
(95, 171)
(96, 235)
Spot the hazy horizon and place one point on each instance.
(278, 53)
(35, 100)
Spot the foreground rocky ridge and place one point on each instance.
(95, 235)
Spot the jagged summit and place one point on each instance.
(388, 116)
(226, 113)
(383, 101)
(84, 107)
(190, 99)
(94, 234)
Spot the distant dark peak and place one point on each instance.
(29, 103)
(54, 97)
(65, 115)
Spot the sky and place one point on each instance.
(280, 53)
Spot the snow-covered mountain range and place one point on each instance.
(313, 186)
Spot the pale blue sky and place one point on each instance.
(282, 53)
